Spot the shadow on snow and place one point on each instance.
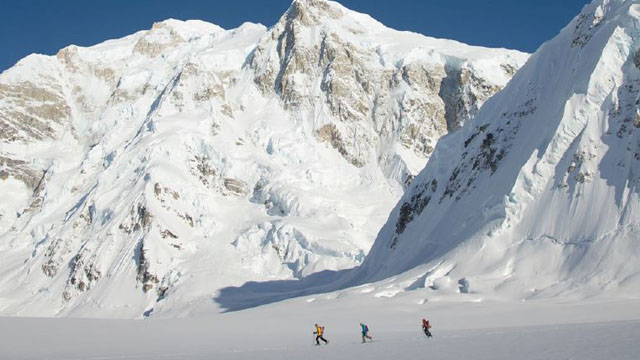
(252, 294)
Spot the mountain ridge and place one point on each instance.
(540, 199)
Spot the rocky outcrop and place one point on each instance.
(32, 112)
(370, 102)
(159, 38)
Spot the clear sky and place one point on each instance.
(45, 26)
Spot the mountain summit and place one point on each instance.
(538, 195)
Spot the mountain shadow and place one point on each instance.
(254, 293)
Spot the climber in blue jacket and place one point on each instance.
(365, 333)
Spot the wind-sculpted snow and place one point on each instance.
(145, 173)
(538, 195)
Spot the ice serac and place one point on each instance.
(145, 173)
(538, 195)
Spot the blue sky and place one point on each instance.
(45, 26)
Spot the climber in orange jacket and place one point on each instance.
(319, 332)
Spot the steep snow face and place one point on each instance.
(539, 195)
(147, 172)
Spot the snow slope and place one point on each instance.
(145, 173)
(538, 195)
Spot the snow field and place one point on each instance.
(585, 331)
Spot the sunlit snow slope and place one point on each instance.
(162, 166)
(539, 195)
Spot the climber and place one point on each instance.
(425, 327)
(365, 333)
(319, 332)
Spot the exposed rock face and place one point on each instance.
(161, 37)
(42, 109)
(371, 97)
(230, 156)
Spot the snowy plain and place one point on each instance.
(599, 329)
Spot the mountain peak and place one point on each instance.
(312, 12)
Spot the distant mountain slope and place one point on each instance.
(539, 195)
(162, 166)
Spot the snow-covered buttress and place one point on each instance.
(539, 194)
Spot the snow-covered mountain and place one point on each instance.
(539, 195)
(152, 170)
